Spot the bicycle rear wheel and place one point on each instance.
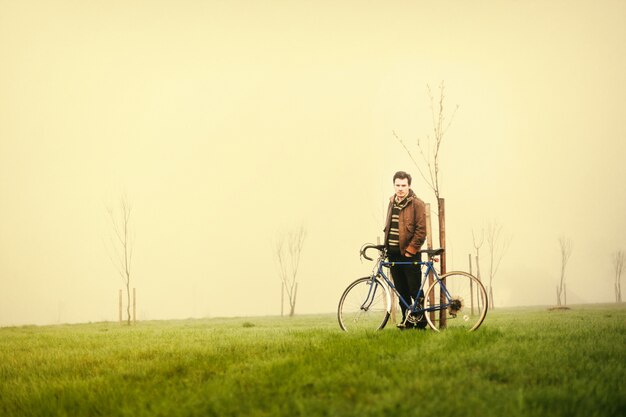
(364, 305)
(464, 306)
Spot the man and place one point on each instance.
(405, 232)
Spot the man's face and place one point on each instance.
(402, 187)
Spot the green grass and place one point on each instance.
(521, 362)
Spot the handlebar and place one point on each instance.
(364, 249)
(430, 252)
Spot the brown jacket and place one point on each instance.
(412, 225)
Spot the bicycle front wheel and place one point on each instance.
(364, 305)
(461, 302)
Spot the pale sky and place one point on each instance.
(227, 123)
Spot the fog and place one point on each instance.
(228, 124)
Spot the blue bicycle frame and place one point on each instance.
(413, 308)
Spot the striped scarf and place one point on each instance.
(394, 227)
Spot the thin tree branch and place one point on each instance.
(430, 184)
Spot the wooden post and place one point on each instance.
(471, 285)
(134, 306)
(120, 304)
(478, 289)
(429, 245)
(442, 242)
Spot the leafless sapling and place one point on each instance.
(497, 245)
(288, 252)
(430, 153)
(566, 251)
(478, 243)
(430, 150)
(121, 245)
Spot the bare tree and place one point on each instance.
(497, 245)
(121, 247)
(618, 263)
(429, 153)
(478, 243)
(566, 251)
(288, 251)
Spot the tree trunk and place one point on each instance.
(128, 303)
(441, 203)
(134, 306)
(292, 311)
(558, 296)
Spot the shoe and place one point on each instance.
(421, 324)
(405, 326)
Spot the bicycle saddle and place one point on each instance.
(432, 252)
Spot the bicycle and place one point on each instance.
(458, 297)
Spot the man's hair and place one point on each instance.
(402, 175)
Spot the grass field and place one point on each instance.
(521, 362)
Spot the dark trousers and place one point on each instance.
(406, 278)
